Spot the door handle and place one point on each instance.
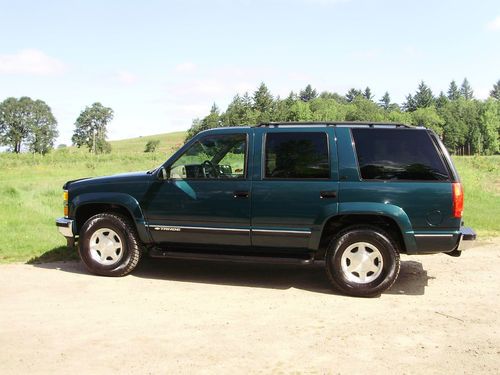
(328, 194)
(241, 194)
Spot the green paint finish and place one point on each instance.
(286, 214)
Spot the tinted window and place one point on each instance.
(297, 155)
(213, 157)
(397, 154)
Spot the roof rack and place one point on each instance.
(335, 123)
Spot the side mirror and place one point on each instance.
(163, 173)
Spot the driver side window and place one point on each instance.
(213, 157)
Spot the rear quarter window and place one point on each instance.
(398, 154)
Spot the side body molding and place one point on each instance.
(119, 199)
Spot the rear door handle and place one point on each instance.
(328, 194)
(241, 194)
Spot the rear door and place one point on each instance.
(295, 183)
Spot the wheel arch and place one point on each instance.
(390, 218)
(87, 205)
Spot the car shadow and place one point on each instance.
(412, 278)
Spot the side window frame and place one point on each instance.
(264, 160)
(245, 156)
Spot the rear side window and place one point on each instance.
(296, 155)
(397, 154)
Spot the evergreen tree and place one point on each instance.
(490, 127)
(262, 99)
(441, 100)
(410, 104)
(367, 94)
(495, 93)
(453, 91)
(308, 94)
(385, 101)
(352, 94)
(466, 90)
(423, 97)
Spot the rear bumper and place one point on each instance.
(467, 238)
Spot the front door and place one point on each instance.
(206, 199)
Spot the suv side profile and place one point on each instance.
(354, 195)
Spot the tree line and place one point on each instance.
(30, 124)
(466, 125)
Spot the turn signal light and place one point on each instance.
(65, 199)
(458, 199)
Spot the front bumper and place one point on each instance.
(65, 227)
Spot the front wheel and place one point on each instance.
(109, 245)
(362, 261)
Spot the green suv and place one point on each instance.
(354, 195)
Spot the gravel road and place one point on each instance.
(441, 316)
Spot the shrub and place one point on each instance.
(152, 145)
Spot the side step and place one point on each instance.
(159, 253)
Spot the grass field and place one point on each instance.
(31, 191)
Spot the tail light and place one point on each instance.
(458, 199)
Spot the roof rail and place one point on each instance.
(336, 123)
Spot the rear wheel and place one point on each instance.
(362, 261)
(109, 245)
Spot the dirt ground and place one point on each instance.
(441, 316)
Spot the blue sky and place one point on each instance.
(159, 64)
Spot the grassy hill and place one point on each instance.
(169, 142)
(31, 191)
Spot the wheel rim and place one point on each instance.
(362, 262)
(106, 247)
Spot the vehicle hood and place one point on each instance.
(104, 180)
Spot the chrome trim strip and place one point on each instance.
(308, 232)
(433, 235)
(176, 228)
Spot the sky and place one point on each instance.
(160, 64)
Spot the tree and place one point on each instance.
(362, 109)
(308, 94)
(423, 97)
(441, 100)
(367, 94)
(42, 128)
(91, 129)
(453, 91)
(495, 93)
(410, 105)
(27, 121)
(262, 99)
(385, 101)
(152, 145)
(352, 94)
(466, 91)
(490, 127)
(429, 118)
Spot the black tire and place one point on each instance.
(385, 261)
(129, 251)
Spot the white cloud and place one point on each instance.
(186, 67)
(126, 77)
(31, 62)
(494, 25)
